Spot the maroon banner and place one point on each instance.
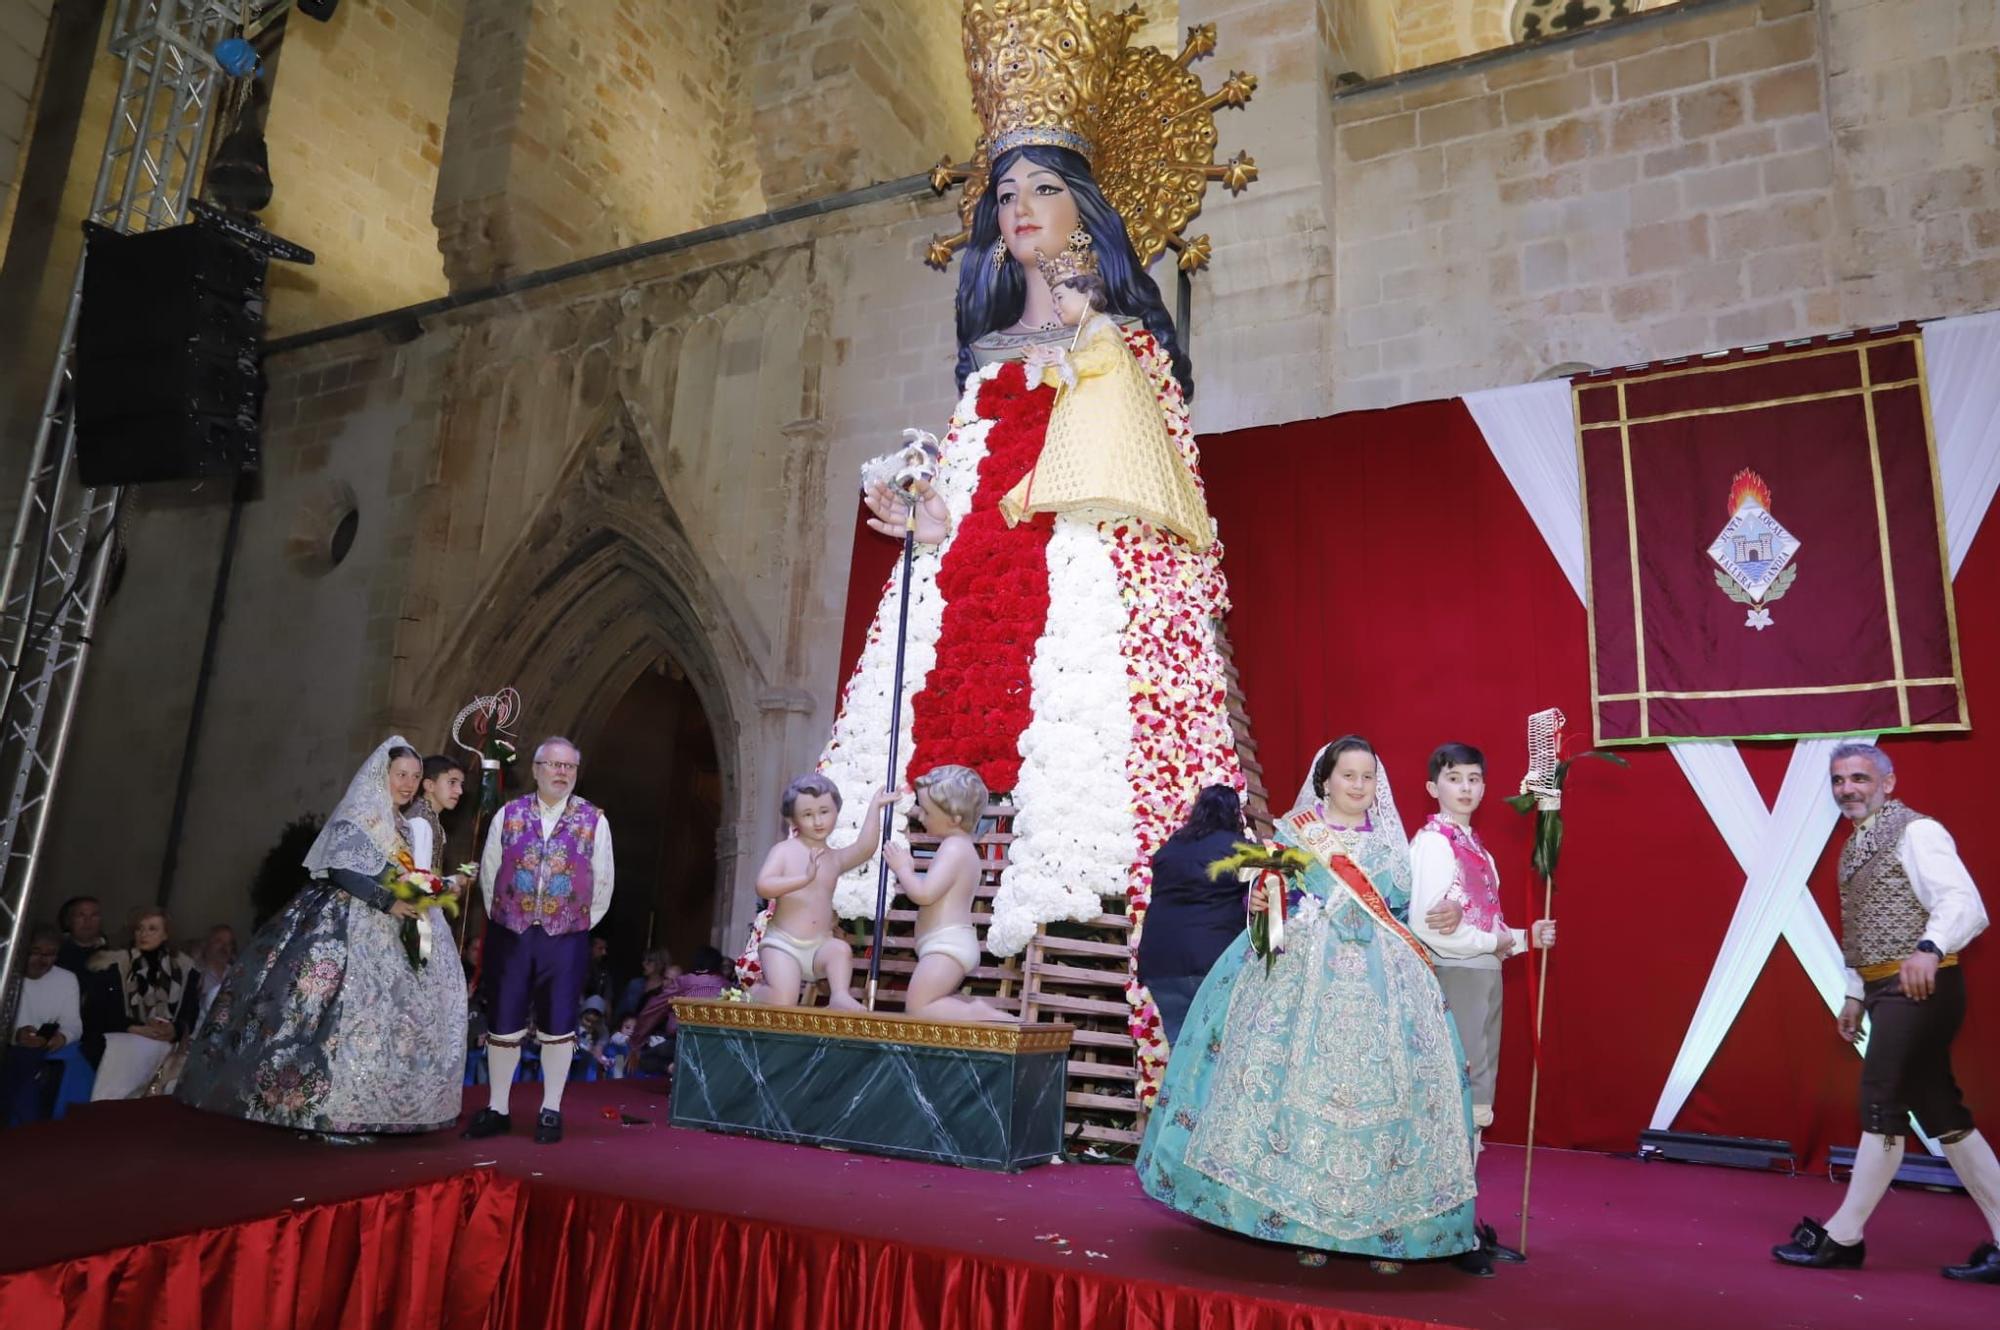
(1765, 541)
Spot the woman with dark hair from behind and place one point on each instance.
(1192, 919)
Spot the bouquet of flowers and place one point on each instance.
(1274, 867)
(427, 892)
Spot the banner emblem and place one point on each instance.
(1753, 553)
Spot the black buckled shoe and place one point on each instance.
(1500, 1251)
(1983, 1268)
(487, 1123)
(1812, 1248)
(1478, 1262)
(548, 1127)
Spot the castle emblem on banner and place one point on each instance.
(1753, 554)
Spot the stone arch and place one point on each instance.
(603, 580)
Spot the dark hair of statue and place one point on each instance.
(1322, 769)
(991, 298)
(1216, 808)
(1456, 755)
(439, 765)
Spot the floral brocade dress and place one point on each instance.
(324, 1025)
(1323, 1104)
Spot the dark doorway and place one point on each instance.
(653, 770)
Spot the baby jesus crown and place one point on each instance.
(1073, 260)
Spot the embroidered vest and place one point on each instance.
(1881, 918)
(545, 881)
(1474, 884)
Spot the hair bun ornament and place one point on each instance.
(1051, 73)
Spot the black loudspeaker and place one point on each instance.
(169, 384)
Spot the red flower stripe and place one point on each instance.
(995, 583)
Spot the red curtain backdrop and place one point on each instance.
(1387, 581)
(1833, 442)
(425, 1258)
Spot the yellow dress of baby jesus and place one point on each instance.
(1106, 454)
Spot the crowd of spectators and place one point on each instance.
(98, 1020)
(625, 1029)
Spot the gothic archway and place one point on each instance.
(601, 588)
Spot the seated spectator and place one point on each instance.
(655, 968)
(148, 1007)
(48, 1020)
(653, 1033)
(599, 980)
(590, 1038)
(218, 953)
(618, 1049)
(81, 919)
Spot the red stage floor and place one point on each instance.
(127, 1211)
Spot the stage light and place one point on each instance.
(1919, 1170)
(1693, 1147)
(239, 177)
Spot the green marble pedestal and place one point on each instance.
(981, 1095)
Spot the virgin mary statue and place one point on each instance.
(1071, 659)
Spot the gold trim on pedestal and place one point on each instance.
(878, 1027)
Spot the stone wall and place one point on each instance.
(553, 492)
(581, 126)
(1913, 97)
(847, 92)
(24, 24)
(356, 133)
(1674, 186)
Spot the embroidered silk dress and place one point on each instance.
(1324, 1104)
(323, 1024)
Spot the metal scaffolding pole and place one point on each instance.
(61, 549)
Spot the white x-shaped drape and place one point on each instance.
(1531, 431)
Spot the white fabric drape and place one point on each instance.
(1531, 431)
(1962, 359)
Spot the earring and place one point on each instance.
(999, 255)
(1079, 239)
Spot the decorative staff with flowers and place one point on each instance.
(1541, 794)
(908, 473)
(493, 717)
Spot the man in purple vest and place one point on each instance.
(546, 876)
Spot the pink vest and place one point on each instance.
(1475, 886)
(545, 881)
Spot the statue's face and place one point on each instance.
(1037, 211)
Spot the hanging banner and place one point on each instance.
(1764, 543)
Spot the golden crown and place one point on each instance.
(1050, 72)
(1072, 260)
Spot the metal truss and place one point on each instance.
(64, 531)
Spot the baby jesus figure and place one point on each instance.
(1106, 455)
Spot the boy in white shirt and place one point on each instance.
(1449, 863)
